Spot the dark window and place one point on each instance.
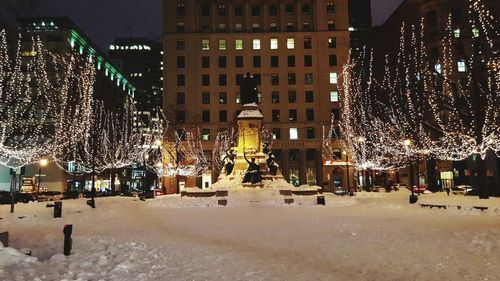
(275, 97)
(291, 79)
(311, 154)
(256, 61)
(205, 80)
(205, 10)
(335, 113)
(181, 10)
(293, 155)
(255, 27)
(205, 62)
(181, 62)
(292, 96)
(275, 79)
(291, 61)
(181, 98)
(276, 134)
(289, 27)
(309, 114)
(180, 116)
(308, 60)
(255, 10)
(276, 115)
(205, 116)
(330, 7)
(205, 27)
(431, 21)
(306, 26)
(181, 80)
(222, 10)
(274, 61)
(222, 98)
(308, 78)
(273, 27)
(311, 134)
(222, 116)
(331, 25)
(222, 62)
(332, 42)
(258, 78)
(306, 9)
(222, 80)
(336, 135)
(205, 98)
(289, 9)
(307, 43)
(309, 96)
(273, 10)
(238, 11)
(332, 60)
(180, 27)
(239, 61)
(181, 45)
(239, 77)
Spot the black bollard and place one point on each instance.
(413, 199)
(91, 203)
(68, 229)
(57, 209)
(320, 200)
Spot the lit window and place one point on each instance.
(239, 27)
(222, 44)
(475, 32)
(239, 44)
(437, 67)
(456, 33)
(461, 66)
(290, 43)
(334, 96)
(274, 44)
(205, 44)
(256, 44)
(294, 134)
(333, 78)
(222, 27)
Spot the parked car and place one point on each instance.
(464, 189)
(49, 196)
(420, 188)
(378, 188)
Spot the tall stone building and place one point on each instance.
(295, 50)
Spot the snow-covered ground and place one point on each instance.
(372, 236)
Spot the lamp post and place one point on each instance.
(407, 143)
(41, 163)
(158, 165)
(146, 157)
(361, 141)
(347, 170)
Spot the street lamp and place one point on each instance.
(347, 169)
(407, 143)
(41, 163)
(158, 165)
(146, 157)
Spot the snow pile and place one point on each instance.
(11, 256)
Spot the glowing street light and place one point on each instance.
(41, 163)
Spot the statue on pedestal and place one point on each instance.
(270, 160)
(229, 159)
(248, 90)
(252, 174)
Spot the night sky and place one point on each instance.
(103, 20)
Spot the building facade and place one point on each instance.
(60, 35)
(435, 15)
(294, 49)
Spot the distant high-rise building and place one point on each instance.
(360, 22)
(294, 49)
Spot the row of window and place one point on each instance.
(255, 27)
(275, 97)
(276, 115)
(293, 134)
(256, 61)
(256, 44)
(274, 79)
(255, 9)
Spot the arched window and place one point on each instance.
(181, 10)
(222, 10)
(330, 7)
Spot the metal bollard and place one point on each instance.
(91, 203)
(68, 229)
(57, 209)
(321, 200)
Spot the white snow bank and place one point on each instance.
(11, 256)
